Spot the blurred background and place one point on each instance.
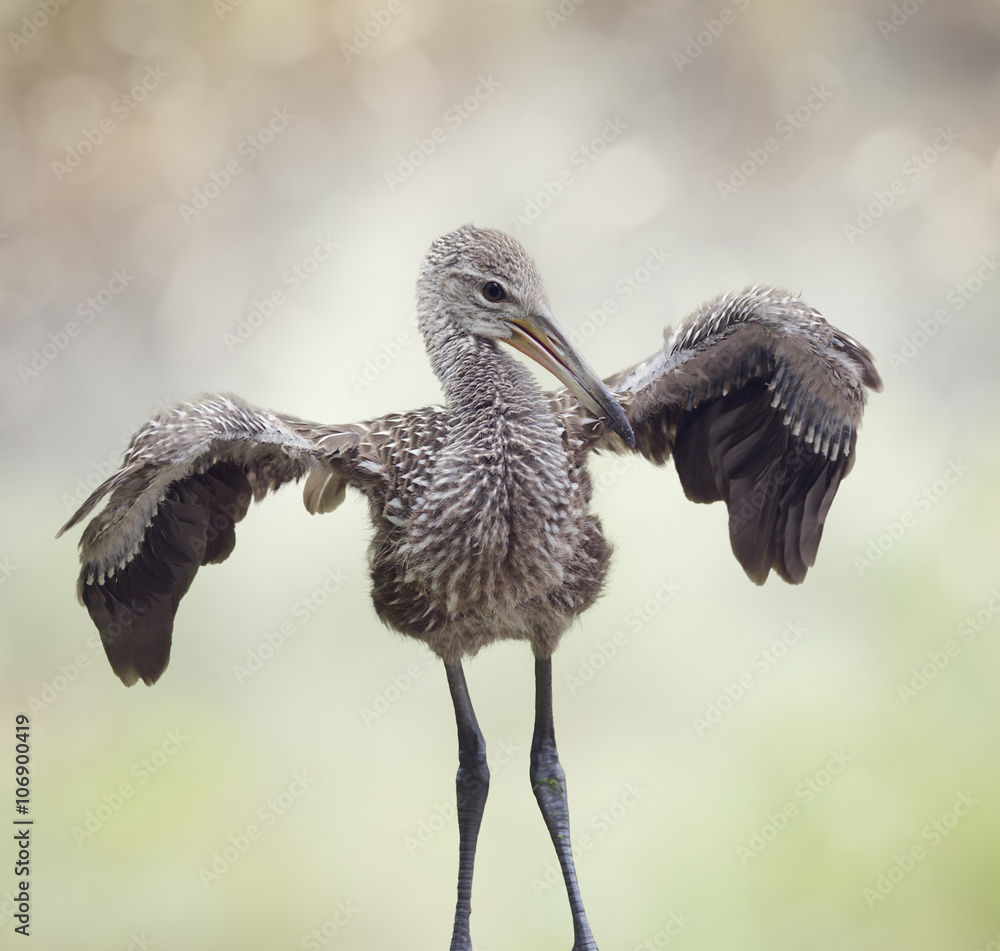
(237, 196)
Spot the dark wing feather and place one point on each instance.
(759, 401)
(188, 477)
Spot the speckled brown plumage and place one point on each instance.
(480, 506)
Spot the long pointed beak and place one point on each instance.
(542, 339)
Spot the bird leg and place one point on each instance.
(549, 783)
(472, 783)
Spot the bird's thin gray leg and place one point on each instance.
(472, 783)
(549, 783)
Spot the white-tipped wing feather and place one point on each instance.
(759, 400)
(188, 477)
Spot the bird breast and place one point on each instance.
(500, 518)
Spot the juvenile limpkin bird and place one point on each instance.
(481, 506)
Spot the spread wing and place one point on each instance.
(758, 399)
(187, 478)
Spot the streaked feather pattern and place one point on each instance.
(481, 506)
(759, 400)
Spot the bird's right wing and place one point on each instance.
(759, 400)
(187, 478)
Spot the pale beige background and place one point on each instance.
(870, 98)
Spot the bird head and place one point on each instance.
(481, 282)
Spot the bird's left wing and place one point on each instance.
(187, 478)
(759, 401)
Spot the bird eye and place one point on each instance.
(492, 291)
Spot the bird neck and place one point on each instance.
(476, 373)
(483, 383)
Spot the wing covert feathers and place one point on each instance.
(189, 475)
(759, 400)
